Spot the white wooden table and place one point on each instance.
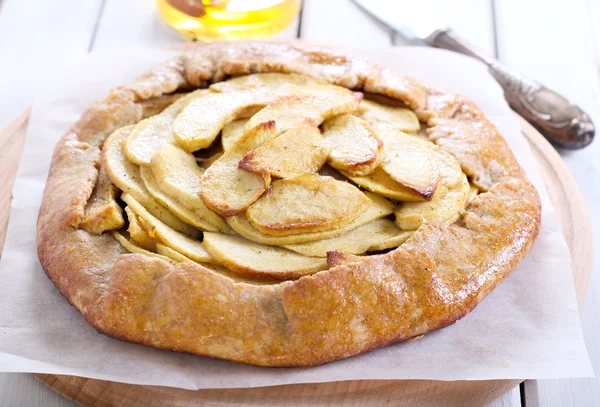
(554, 41)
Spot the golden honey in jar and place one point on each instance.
(210, 20)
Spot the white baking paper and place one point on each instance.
(527, 328)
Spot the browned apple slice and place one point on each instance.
(410, 162)
(444, 208)
(311, 203)
(102, 212)
(355, 148)
(178, 176)
(356, 241)
(150, 134)
(227, 189)
(298, 151)
(170, 253)
(169, 237)
(201, 121)
(395, 117)
(232, 133)
(138, 231)
(133, 248)
(447, 203)
(256, 260)
(381, 183)
(314, 102)
(187, 215)
(473, 191)
(270, 80)
(379, 208)
(126, 176)
(392, 242)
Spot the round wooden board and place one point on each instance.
(570, 207)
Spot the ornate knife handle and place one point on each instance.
(560, 121)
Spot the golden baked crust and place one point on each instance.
(361, 303)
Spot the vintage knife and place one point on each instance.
(564, 124)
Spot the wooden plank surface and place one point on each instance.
(34, 46)
(341, 22)
(37, 39)
(133, 23)
(58, 32)
(560, 47)
(473, 19)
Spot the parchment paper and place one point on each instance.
(527, 328)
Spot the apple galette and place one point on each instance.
(281, 205)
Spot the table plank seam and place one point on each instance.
(299, 18)
(97, 25)
(494, 27)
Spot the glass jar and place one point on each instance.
(208, 20)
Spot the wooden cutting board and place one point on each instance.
(571, 209)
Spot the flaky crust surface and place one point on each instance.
(359, 304)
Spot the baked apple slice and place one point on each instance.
(170, 253)
(381, 183)
(134, 248)
(201, 121)
(473, 191)
(169, 237)
(138, 231)
(227, 189)
(312, 203)
(298, 151)
(126, 176)
(355, 149)
(410, 162)
(447, 203)
(388, 116)
(356, 241)
(379, 208)
(182, 212)
(391, 242)
(102, 212)
(256, 260)
(232, 132)
(150, 134)
(178, 176)
(313, 102)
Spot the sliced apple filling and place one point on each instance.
(389, 116)
(355, 148)
(379, 208)
(232, 132)
(272, 177)
(306, 204)
(410, 162)
(257, 260)
(318, 103)
(102, 212)
(149, 135)
(447, 203)
(226, 188)
(300, 150)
